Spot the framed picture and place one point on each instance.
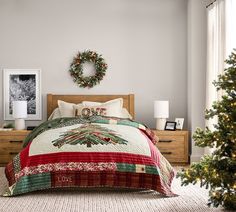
(170, 125)
(179, 123)
(23, 84)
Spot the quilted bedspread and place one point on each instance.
(92, 152)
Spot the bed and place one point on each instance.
(89, 151)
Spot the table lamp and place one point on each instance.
(161, 113)
(19, 113)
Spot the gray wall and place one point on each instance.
(143, 42)
(197, 48)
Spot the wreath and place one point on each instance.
(76, 69)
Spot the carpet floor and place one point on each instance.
(191, 198)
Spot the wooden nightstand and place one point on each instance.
(11, 144)
(174, 145)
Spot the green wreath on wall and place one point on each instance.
(76, 69)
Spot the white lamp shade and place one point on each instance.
(161, 109)
(19, 109)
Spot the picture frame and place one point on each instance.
(179, 123)
(22, 84)
(170, 125)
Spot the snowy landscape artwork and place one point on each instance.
(22, 85)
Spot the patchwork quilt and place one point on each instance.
(93, 152)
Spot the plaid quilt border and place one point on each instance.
(88, 179)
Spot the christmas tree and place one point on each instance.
(89, 134)
(218, 170)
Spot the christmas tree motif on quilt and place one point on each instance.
(89, 134)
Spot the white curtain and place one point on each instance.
(221, 39)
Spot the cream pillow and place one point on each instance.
(55, 114)
(114, 107)
(114, 102)
(66, 109)
(125, 114)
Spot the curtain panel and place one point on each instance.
(221, 39)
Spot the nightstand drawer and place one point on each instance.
(171, 141)
(173, 145)
(13, 139)
(8, 146)
(11, 143)
(173, 154)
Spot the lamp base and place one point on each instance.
(160, 123)
(19, 124)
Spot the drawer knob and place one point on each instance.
(14, 141)
(13, 153)
(165, 141)
(166, 153)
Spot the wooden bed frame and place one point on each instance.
(52, 100)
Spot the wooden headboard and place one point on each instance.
(52, 100)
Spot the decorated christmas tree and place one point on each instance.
(217, 171)
(89, 134)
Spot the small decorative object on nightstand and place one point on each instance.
(11, 144)
(19, 113)
(173, 145)
(170, 125)
(7, 127)
(161, 113)
(179, 123)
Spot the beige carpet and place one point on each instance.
(191, 198)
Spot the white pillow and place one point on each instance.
(114, 102)
(66, 109)
(125, 114)
(114, 107)
(55, 114)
